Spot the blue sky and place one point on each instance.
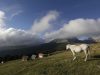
(36, 21)
(34, 9)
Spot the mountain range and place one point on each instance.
(52, 46)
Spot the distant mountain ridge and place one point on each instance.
(73, 40)
(52, 46)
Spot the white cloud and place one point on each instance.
(11, 36)
(15, 14)
(44, 23)
(75, 28)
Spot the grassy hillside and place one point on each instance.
(60, 63)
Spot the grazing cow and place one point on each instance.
(2, 62)
(33, 57)
(40, 55)
(24, 58)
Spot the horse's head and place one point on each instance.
(67, 46)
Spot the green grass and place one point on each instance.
(60, 63)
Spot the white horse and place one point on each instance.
(78, 48)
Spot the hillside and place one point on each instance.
(52, 46)
(59, 63)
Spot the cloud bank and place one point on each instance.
(12, 36)
(76, 28)
(44, 23)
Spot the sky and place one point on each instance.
(37, 21)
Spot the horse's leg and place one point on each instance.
(86, 55)
(89, 54)
(74, 55)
